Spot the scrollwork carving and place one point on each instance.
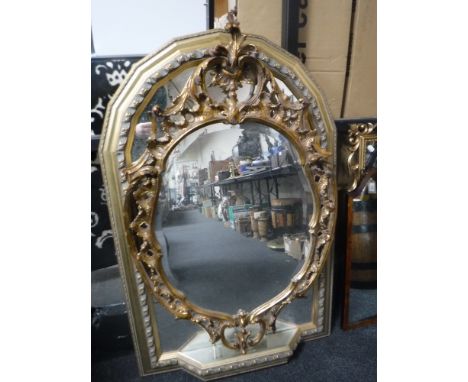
(355, 134)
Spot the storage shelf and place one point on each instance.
(272, 173)
(254, 181)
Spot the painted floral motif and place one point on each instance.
(106, 75)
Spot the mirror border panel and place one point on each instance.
(358, 136)
(114, 140)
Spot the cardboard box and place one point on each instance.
(215, 166)
(220, 8)
(361, 90)
(326, 39)
(261, 17)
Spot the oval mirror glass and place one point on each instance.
(232, 216)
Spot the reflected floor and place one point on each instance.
(220, 269)
(362, 304)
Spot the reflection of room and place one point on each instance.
(240, 175)
(239, 189)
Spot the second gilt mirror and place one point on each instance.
(219, 164)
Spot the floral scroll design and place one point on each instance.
(229, 68)
(356, 132)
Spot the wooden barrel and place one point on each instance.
(290, 219)
(284, 202)
(263, 224)
(261, 214)
(286, 213)
(278, 217)
(364, 243)
(253, 221)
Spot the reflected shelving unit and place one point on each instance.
(270, 177)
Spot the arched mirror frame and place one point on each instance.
(133, 186)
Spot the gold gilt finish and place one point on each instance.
(228, 67)
(358, 134)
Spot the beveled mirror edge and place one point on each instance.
(114, 189)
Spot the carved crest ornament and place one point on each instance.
(230, 68)
(358, 134)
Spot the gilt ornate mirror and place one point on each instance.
(218, 154)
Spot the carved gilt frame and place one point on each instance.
(234, 59)
(358, 135)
